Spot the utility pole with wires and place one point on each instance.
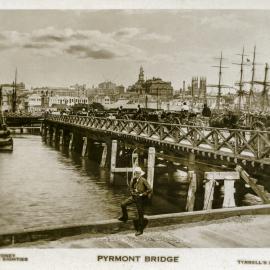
(241, 91)
(266, 84)
(219, 85)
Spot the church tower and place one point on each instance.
(141, 76)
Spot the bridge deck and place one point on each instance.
(237, 144)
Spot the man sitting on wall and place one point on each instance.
(140, 190)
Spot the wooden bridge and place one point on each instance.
(238, 145)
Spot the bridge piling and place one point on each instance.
(54, 135)
(113, 160)
(85, 147)
(191, 191)
(229, 191)
(209, 193)
(70, 145)
(151, 166)
(104, 155)
(61, 135)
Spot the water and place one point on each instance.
(42, 187)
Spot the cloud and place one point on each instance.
(87, 52)
(127, 33)
(88, 44)
(156, 37)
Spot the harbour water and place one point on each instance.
(41, 187)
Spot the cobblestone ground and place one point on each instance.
(245, 231)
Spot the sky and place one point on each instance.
(64, 47)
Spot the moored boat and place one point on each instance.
(6, 141)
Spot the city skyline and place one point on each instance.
(62, 48)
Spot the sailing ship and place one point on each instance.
(6, 141)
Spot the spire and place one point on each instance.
(141, 75)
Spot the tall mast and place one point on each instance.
(251, 90)
(219, 81)
(14, 93)
(241, 91)
(1, 100)
(266, 85)
(265, 99)
(219, 85)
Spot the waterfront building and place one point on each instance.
(34, 103)
(154, 87)
(62, 102)
(106, 88)
(57, 91)
(102, 99)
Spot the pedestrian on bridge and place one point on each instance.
(140, 190)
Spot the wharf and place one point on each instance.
(234, 232)
(231, 227)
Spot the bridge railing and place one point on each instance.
(236, 143)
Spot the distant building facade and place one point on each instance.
(154, 87)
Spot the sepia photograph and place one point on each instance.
(132, 130)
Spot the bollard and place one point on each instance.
(151, 166)
(104, 156)
(84, 148)
(113, 160)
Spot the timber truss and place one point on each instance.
(245, 145)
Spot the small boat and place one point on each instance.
(6, 141)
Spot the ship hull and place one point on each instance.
(6, 144)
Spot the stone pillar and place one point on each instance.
(104, 155)
(228, 194)
(209, 194)
(113, 160)
(70, 146)
(191, 191)
(151, 166)
(84, 148)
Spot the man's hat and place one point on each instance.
(139, 169)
